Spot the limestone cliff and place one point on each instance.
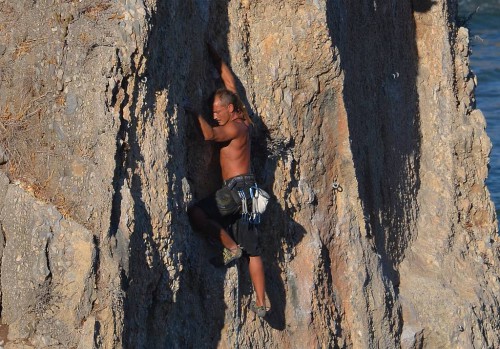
(99, 163)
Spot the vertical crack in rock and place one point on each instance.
(119, 96)
(326, 304)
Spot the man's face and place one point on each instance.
(221, 112)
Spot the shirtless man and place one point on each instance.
(207, 216)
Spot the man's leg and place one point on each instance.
(256, 268)
(201, 222)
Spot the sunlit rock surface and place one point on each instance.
(380, 232)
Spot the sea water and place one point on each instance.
(484, 33)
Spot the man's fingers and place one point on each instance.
(187, 105)
(213, 53)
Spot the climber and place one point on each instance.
(219, 215)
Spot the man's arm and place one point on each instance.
(226, 74)
(218, 134)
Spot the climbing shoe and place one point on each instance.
(230, 256)
(260, 311)
(227, 257)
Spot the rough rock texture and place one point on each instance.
(48, 271)
(102, 163)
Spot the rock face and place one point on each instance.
(380, 232)
(48, 271)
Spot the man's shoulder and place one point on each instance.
(241, 123)
(238, 125)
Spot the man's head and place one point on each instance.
(227, 104)
(224, 106)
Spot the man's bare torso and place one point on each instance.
(235, 154)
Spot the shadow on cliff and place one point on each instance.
(136, 251)
(280, 234)
(139, 261)
(166, 303)
(377, 47)
(130, 255)
(422, 6)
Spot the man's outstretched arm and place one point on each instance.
(226, 74)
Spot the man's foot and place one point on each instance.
(227, 257)
(231, 255)
(260, 311)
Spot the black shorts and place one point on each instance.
(244, 233)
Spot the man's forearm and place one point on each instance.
(206, 129)
(225, 72)
(227, 76)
